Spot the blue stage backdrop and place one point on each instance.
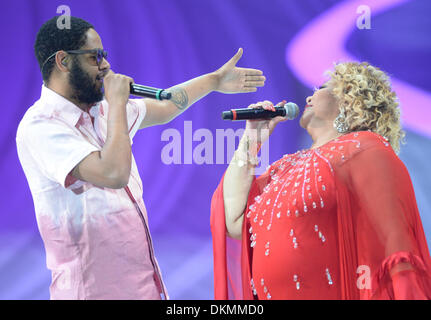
(161, 43)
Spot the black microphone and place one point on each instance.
(289, 110)
(149, 92)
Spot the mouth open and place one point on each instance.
(100, 77)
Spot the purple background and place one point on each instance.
(165, 42)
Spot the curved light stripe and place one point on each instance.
(321, 43)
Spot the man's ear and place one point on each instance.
(61, 61)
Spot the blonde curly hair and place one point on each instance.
(366, 97)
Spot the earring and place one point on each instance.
(340, 123)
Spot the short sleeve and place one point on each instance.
(385, 194)
(55, 147)
(136, 111)
(390, 237)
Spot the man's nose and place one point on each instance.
(105, 65)
(308, 100)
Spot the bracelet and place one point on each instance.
(240, 162)
(251, 159)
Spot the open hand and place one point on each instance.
(232, 79)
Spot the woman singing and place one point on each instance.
(336, 221)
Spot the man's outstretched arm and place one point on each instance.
(227, 79)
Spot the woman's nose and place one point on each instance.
(308, 100)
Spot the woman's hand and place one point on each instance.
(259, 130)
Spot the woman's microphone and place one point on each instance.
(289, 110)
(149, 92)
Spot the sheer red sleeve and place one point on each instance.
(392, 256)
(231, 256)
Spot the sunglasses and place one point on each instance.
(99, 55)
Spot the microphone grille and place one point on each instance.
(227, 115)
(292, 110)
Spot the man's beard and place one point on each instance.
(84, 87)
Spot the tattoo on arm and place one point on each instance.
(179, 97)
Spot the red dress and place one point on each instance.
(335, 222)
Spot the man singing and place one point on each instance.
(74, 145)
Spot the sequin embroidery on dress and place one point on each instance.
(293, 221)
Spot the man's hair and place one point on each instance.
(51, 39)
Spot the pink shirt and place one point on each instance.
(96, 239)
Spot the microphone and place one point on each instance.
(289, 110)
(149, 92)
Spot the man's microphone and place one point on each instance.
(289, 110)
(149, 92)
